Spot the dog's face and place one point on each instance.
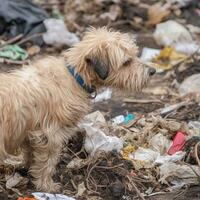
(109, 58)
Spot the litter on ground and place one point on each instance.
(130, 146)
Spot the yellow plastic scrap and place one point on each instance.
(127, 151)
(168, 57)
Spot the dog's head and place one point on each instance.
(109, 58)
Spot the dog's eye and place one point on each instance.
(127, 62)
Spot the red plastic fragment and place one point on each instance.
(178, 143)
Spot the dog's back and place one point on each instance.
(32, 97)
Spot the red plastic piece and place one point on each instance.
(178, 143)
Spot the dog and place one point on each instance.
(41, 103)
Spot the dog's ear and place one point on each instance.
(98, 66)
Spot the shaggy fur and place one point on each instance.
(41, 103)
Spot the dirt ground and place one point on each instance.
(105, 177)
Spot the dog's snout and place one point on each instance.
(152, 71)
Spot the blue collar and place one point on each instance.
(80, 81)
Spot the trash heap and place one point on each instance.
(141, 156)
(132, 146)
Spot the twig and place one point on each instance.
(29, 38)
(193, 170)
(175, 66)
(180, 193)
(11, 41)
(154, 194)
(196, 153)
(112, 167)
(88, 177)
(72, 152)
(136, 189)
(93, 182)
(73, 184)
(144, 101)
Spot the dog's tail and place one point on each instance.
(6, 158)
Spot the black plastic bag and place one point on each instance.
(21, 17)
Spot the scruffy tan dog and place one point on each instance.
(41, 103)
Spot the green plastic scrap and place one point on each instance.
(13, 52)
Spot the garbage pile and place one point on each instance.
(139, 156)
(132, 146)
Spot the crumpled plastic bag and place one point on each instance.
(45, 196)
(190, 85)
(170, 32)
(13, 52)
(179, 155)
(96, 139)
(21, 17)
(58, 34)
(147, 155)
(159, 143)
(187, 48)
(97, 118)
(105, 95)
(194, 125)
(157, 151)
(15, 180)
(186, 173)
(149, 53)
(154, 157)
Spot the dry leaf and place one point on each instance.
(168, 57)
(15, 181)
(81, 189)
(156, 14)
(33, 50)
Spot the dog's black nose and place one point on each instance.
(152, 71)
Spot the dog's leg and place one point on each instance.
(46, 146)
(27, 152)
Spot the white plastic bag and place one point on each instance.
(147, 155)
(105, 95)
(96, 140)
(148, 54)
(48, 196)
(159, 143)
(194, 125)
(58, 34)
(170, 158)
(170, 32)
(186, 173)
(190, 85)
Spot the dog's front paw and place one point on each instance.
(55, 188)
